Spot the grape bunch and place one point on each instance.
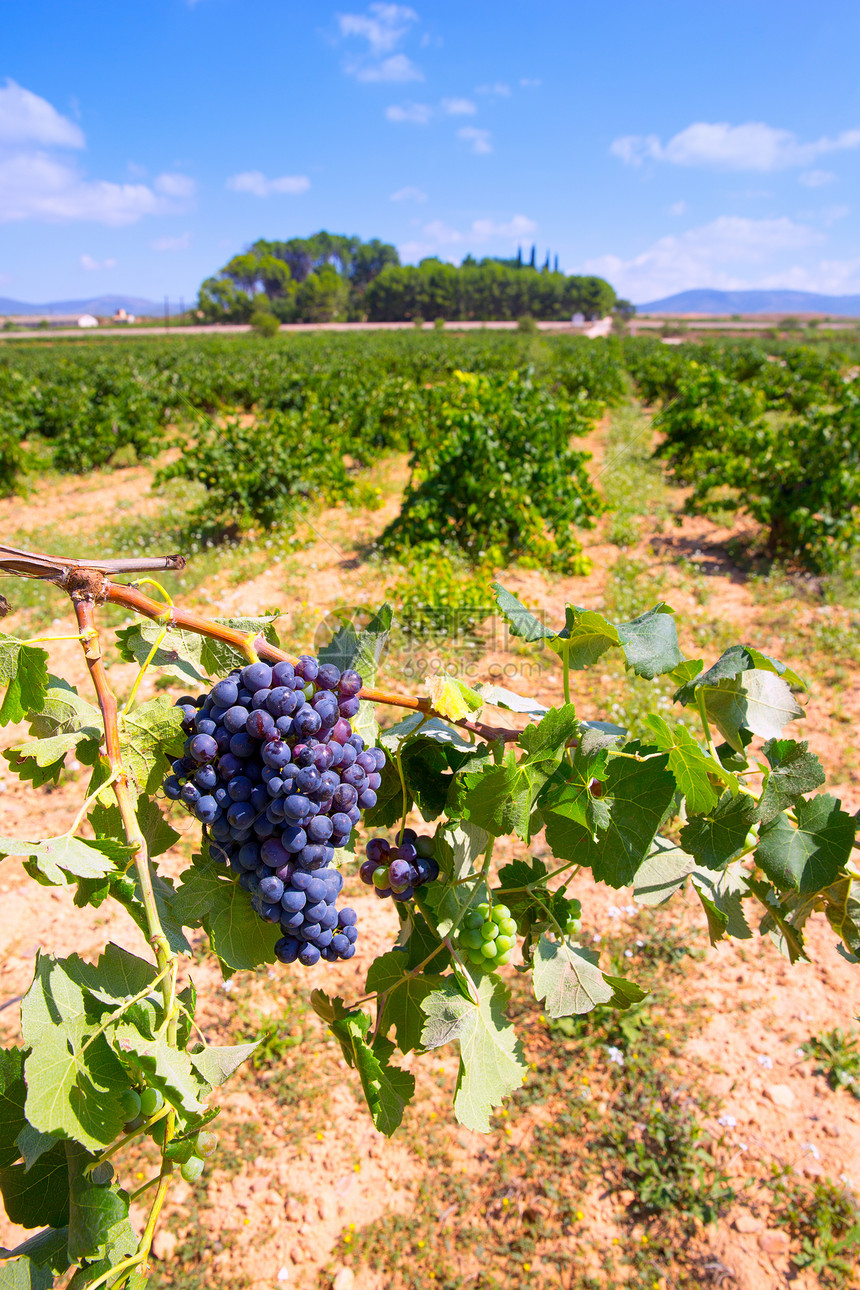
(487, 936)
(278, 779)
(397, 870)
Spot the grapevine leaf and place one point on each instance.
(13, 1093)
(389, 800)
(36, 1261)
(715, 839)
(717, 921)
(662, 873)
(116, 976)
(731, 663)
(56, 857)
(40, 761)
(38, 1197)
(217, 658)
(216, 1065)
(93, 1210)
(179, 654)
(794, 770)
(32, 1144)
(776, 924)
(492, 1064)
(402, 996)
(158, 834)
(431, 728)
(452, 698)
(650, 642)
(457, 849)
(209, 897)
(498, 697)
(569, 792)
(157, 1063)
(570, 982)
(521, 622)
(810, 857)
(121, 1242)
(638, 795)
(74, 1087)
(63, 711)
(755, 701)
(499, 798)
(361, 650)
(24, 674)
(387, 1089)
(149, 734)
(843, 912)
(726, 893)
(596, 735)
(585, 636)
(690, 765)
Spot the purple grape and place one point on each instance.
(256, 676)
(350, 683)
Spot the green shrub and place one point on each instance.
(264, 322)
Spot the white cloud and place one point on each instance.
(175, 185)
(87, 262)
(409, 194)
(830, 277)
(713, 255)
(752, 146)
(816, 178)
(459, 107)
(479, 139)
(415, 113)
(498, 88)
(181, 243)
(256, 183)
(26, 118)
(678, 208)
(437, 236)
(519, 226)
(530, 82)
(384, 27)
(37, 186)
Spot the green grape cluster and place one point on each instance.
(573, 926)
(140, 1107)
(487, 936)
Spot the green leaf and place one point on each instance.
(148, 735)
(745, 690)
(585, 636)
(690, 765)
(179, 654)
(794, 770)
(218, 658)
(662, 873)
(215, 1065)
(36, 1261)
(24, 1274)
(208, 896)
(93, 1210)
(121, 1242)
(569, 792)
(13, 1094)
(387, 1089)
(158, 834)
(521, 622)
(777, 922)
(842, 909)
(432, 728)
(40, 761)
(24, 675)
(56, 857)
(38, 1197)
(32, 1144)
(498, 697)
(810, 857)
(156, 1062)
(715, 839)
(492, 1063)
(63, 711)
(717, 920)
(650, 642)
(638, 794)
(361, 650)
(458, 848)
(500, 798)
(74, 1087)
(390, 976)
(726, 893)
(569, 980)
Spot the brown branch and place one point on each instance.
(32, 564)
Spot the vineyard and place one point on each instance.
(443, 868)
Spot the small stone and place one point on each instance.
(781, 1096)
(164, 1245)
(626, 1197)
(344, 1279)
(293, 1210)
(748, 1223)
(773, 1242)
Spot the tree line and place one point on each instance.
(331, 277)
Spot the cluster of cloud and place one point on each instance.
(752, 146)
(257, 184)
(38, 179)
(382, 28)
(423, 113)
(437, 237)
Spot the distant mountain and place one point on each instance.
(707, 301)
(97, 305)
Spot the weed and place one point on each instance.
(824, 1221)
(838, 1056)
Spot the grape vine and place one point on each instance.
(279, 758)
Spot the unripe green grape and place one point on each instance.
(102, 1173)
(130, 1103)
(476, 958)
(207, 1142)
(751, 839)
(489, 931)
(503, 958)
(134, 1124)
(507, 927)
(575, 909)
(488, 949)
(573, 926)
(472, 939)
(151, 1100)
(504, 943)
(473, 920)
(484, 910)
(380, 876)
(500, 913)
(309, 692)
(159, 1131)
(425, 846)
(192, 1169)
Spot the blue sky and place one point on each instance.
(665, 145)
